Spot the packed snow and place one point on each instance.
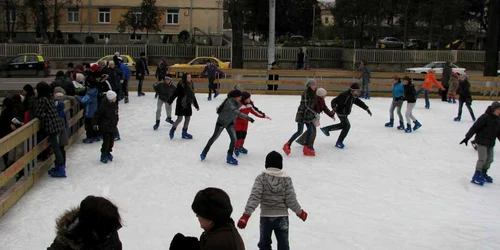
(385, 190)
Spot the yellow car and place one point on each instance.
(196, 66)
(128, 60)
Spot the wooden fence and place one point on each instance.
(26, 137)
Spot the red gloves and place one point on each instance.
(302, 215)
(242, 223)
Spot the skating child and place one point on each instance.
(426, 88)
(342, 105)
(464, 97)
(227, 111)
(241, 125)
(212, 71)
(411, 99)
(487, 130)
(452, 89)
(274, 201)
(106, 121)
(90, 101)
(397, 102)
(164, 89)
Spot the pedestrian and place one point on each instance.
(411, 99)
(465, 96)
(162, 69)
(365, 79)
(300, 59)
(445, 80)
(164, 89)
(126, 77)
(487, 131)
(212, 72)
(398, 91)
(305, 116)
(92, 225)
(52, 125)
(241, 125)
(342, 106)
(106, 122)
(274, 201)
(274, 66)
(60, 96)
(141, 70)
(227, 113)
(70, 70)
(213, 208)
(452, 89)
(184, 93)
(430, 78)
(116, 58)
(90, 102)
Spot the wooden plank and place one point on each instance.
(9, 198)
(75, 118)
(18, 136)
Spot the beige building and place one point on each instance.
(326, 14)
(100, 18)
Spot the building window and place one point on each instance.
(73, 15)
(104, 15)
(173, 16)
(135, 37)
(103, 37)
(326, 20)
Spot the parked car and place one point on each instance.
(28, 64)
(438, 67)
(294, 41)
(128, 60)
(390, 43)
(416, 44)
(196, 66)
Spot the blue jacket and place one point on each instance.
(211, 70)
(398, 90)
(90, 100)
(126, 71)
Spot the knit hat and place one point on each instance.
(244, 96)
(79, 77)
(167, 79)
(321, 92)
(234, 93)
(95, 67)
(310, 82)
(213, 204)
(354, 86)
(495, 105)
(58, 91)
(110, 95)
(274, 160)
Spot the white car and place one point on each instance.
(438, 67)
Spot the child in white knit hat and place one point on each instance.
(106, 121)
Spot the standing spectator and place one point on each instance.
(300, 59)
(274, 201)
(90, 101)
(6, 125)
(212, 72)
(60, 96)
(141, 70)
(487, 131)
(306, 61)
(116, 58)
(398, 91)
(464, 97)
(213, 209)
(106, 122)
(410, 97)
(126, 77)
(365, 79)
(452, 89)
(274, 66)
(161, 70)
(184, 93)
(115, 78)
(164, 89)
(29, 98)
(92, 225)
(430, 78)
(51, 123)
(71, 69)
(445, 79)
(17, 99)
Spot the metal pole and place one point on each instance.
(314, 18)
(191, 18)
(89, 17)
(272, 24)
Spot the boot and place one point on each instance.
(110, 157)
(401, 126)
(185, 135)
(390, 124)
(362, 95)
(340, 145)
(230, 160)
(486, 177)
(104, 158)
(308, 152)
(169, 120)
(126, 99)
(97, 138)
(478, 178)
(408, 128)
(59, 172)
(367, 96)
(287, 149)
(88, 140)
(237, 152)
(203, 155)
(157, 124)
(171, 133)
(449, 100)
(209, 98)
(325, 131)
(243, 150)
(457, 119)
(454, 100)
(216, 94)
(417, 125)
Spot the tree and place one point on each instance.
(58, 6)
(10, 10)
(39, 10)
(130, 21)
(235, 12)
(150, 16)
(493, 39)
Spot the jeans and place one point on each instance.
(409, 113)
(468, 104)
(168, 108)
(108, 141)
(218, 130)
(54, 144)
(312, 137)
(365, 87)
(280, 227)
(300, 129)
(396, 104)
(139, 86)
(485, 157)
(211, 86)
(344, 124)
(426, 95)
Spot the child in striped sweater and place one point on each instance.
(273, 190)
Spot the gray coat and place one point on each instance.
(230, 110)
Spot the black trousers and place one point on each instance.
(108, 141)
(468, 104)
(444, 94)
(89, 128)
(212, 87)
(344, 124)
(217, 131)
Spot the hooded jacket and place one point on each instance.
(486, 129)
(106, 116)
(463, 90)
(342, 104)
(228, 113)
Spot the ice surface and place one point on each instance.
(385, 190)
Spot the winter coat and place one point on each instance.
(242, 124)
(222, 237)
(365, 73)
(228, 113)
(453, 86)
(91, 101)
(486, 128)
(67, 238)
(66, 84)
(305, 112)
(63, 135)
(410, 93)
(185, 98)
(398, 91)
(6, 121)
(321, 107)
(141, 69)
(342, 104)
(430, 78)
(445, 77)
(463, 91)
(106, 117)
(273, 191)
(45, 110)
(28, 103)
(161, 71)
(115, 76)
(211, 71)
(125, 71)
(164, 91)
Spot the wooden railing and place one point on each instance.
(26, 136)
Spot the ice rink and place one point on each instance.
(385, 190)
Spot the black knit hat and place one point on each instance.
(274, 160)
(234, 93)
(354, 86)
(495, 105)
(245, 95)
(213, 204)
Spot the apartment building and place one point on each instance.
(100, 18)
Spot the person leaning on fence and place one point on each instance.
(90, 102)
(6, 125)
(126, 77)
(60, 96)
(274, 66)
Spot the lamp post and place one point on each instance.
(272, 23)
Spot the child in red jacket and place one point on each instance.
(241, 126)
